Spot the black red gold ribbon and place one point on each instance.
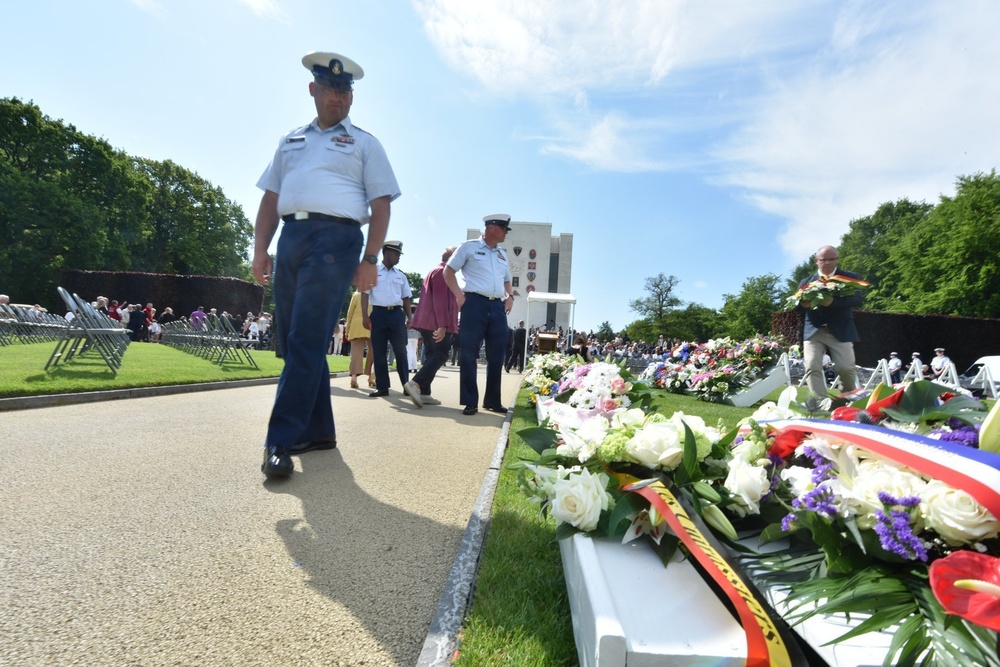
(769, 640)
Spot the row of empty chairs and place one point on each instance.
(213, 338)
(89, 331)
(25, 324)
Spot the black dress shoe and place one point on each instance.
(277, 463)
(496, 408)
(382, 392)
(324, 443)
(470, 410)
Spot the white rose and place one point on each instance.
(704, 436)
(656, 445)
(748, 484)
(799, 478)
(580, 498)
(955, 515)
(860, 492)
(632, 417)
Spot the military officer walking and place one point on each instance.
(483, 305)
(326, 181)
(389, 318)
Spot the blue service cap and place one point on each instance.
(332, 69)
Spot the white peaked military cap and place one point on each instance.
(332, 69)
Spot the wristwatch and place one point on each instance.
(370, 258)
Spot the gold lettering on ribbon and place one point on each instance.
(777, 651)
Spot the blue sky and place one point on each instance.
(713, 141)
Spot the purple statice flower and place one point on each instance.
(819, 500)
(822, 469)
(786, 523)
(896, 535)
(908, 502)
(965, 435)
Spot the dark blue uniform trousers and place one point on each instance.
(482, 319)
(314, 267)
(389, 327)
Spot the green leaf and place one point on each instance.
(565, 530)
(564, 396)
(539, 438)
(627, 505)
(690, 461)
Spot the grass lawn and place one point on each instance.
(520, 613)
(144, 365)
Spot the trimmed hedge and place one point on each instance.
(965, 339)
(182, 293)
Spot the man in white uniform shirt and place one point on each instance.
(483, 304)
(326, 181)
(390, 316)
(939, 362)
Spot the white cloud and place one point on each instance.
(150, 7)
(587, 62)
(815, 112)
(266, 9)
(887, 111)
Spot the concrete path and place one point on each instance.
(141, 532)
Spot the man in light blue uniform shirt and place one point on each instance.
(326, 180)
(483, 303)
(389, 319)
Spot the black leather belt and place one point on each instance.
(483, 296)
(386, 307)
(323, 217)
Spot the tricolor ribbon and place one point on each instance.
(964, 468)
(769, 641)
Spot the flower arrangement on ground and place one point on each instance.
(545, 371)
(714, 370)
(866, 503)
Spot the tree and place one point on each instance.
(868, 249)
(658, 303)
(605, 332)
(70, 201)
(950, 264)
(416, 282)
(67, 200)
(694, 322)
(748, 313)
(195, 228)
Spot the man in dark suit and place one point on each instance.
(516, 355)
(829, 328)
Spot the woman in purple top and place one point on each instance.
(437, 321)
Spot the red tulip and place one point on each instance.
(786, 442)
(967, 584)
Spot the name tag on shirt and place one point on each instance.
(294, 140)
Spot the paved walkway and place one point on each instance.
(141, 532)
